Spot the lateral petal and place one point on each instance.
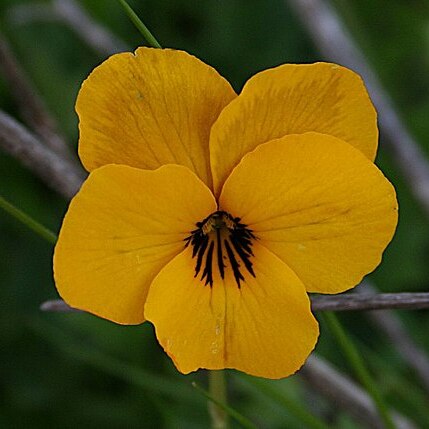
(150, 108)
(318, 204)
(121, 228)
(293, 99)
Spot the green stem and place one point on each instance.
(217, 390)
(28, 221)
(228, 411)
(149, 37)
(359, 367)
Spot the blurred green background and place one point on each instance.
(74, 370)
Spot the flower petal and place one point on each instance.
(121, 228)
(318, 204)
(293, 99)
(152, 108)
(264, 328)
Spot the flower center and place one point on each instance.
(224, 238)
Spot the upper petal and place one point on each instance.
(293, 99)
(264, 328)
(318, 204)
(152, 108)
(121, 228)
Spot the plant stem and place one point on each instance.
(149, 37)
(217, 390)
(359, 367)
(231, 412)
(28, 221)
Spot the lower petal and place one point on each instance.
(264, 327)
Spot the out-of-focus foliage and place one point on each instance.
(52, 369)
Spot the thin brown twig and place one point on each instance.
(58, 306)
(56, 171)
(31, 106)
(334, 42)
(69, 12)
(393, 328)
(346, 302)
(364, 302)
(92, 32)
(346, 394)
(401, 341)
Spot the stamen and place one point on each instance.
(229, 233)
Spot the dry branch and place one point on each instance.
(56, 171)
(346, 394)
(31, 106)
(405, 346)
(335, 44)
(69, 12)
(94, 34)
(346, 302)
(392, 327)
(58, 306)
(353, 302)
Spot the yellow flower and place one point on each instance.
(212, 215)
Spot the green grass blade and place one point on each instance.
(28, 221)
(132, 374)
(127, 372)
(235, 415)
(359, 367)
(267, 388)
(148, 36)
